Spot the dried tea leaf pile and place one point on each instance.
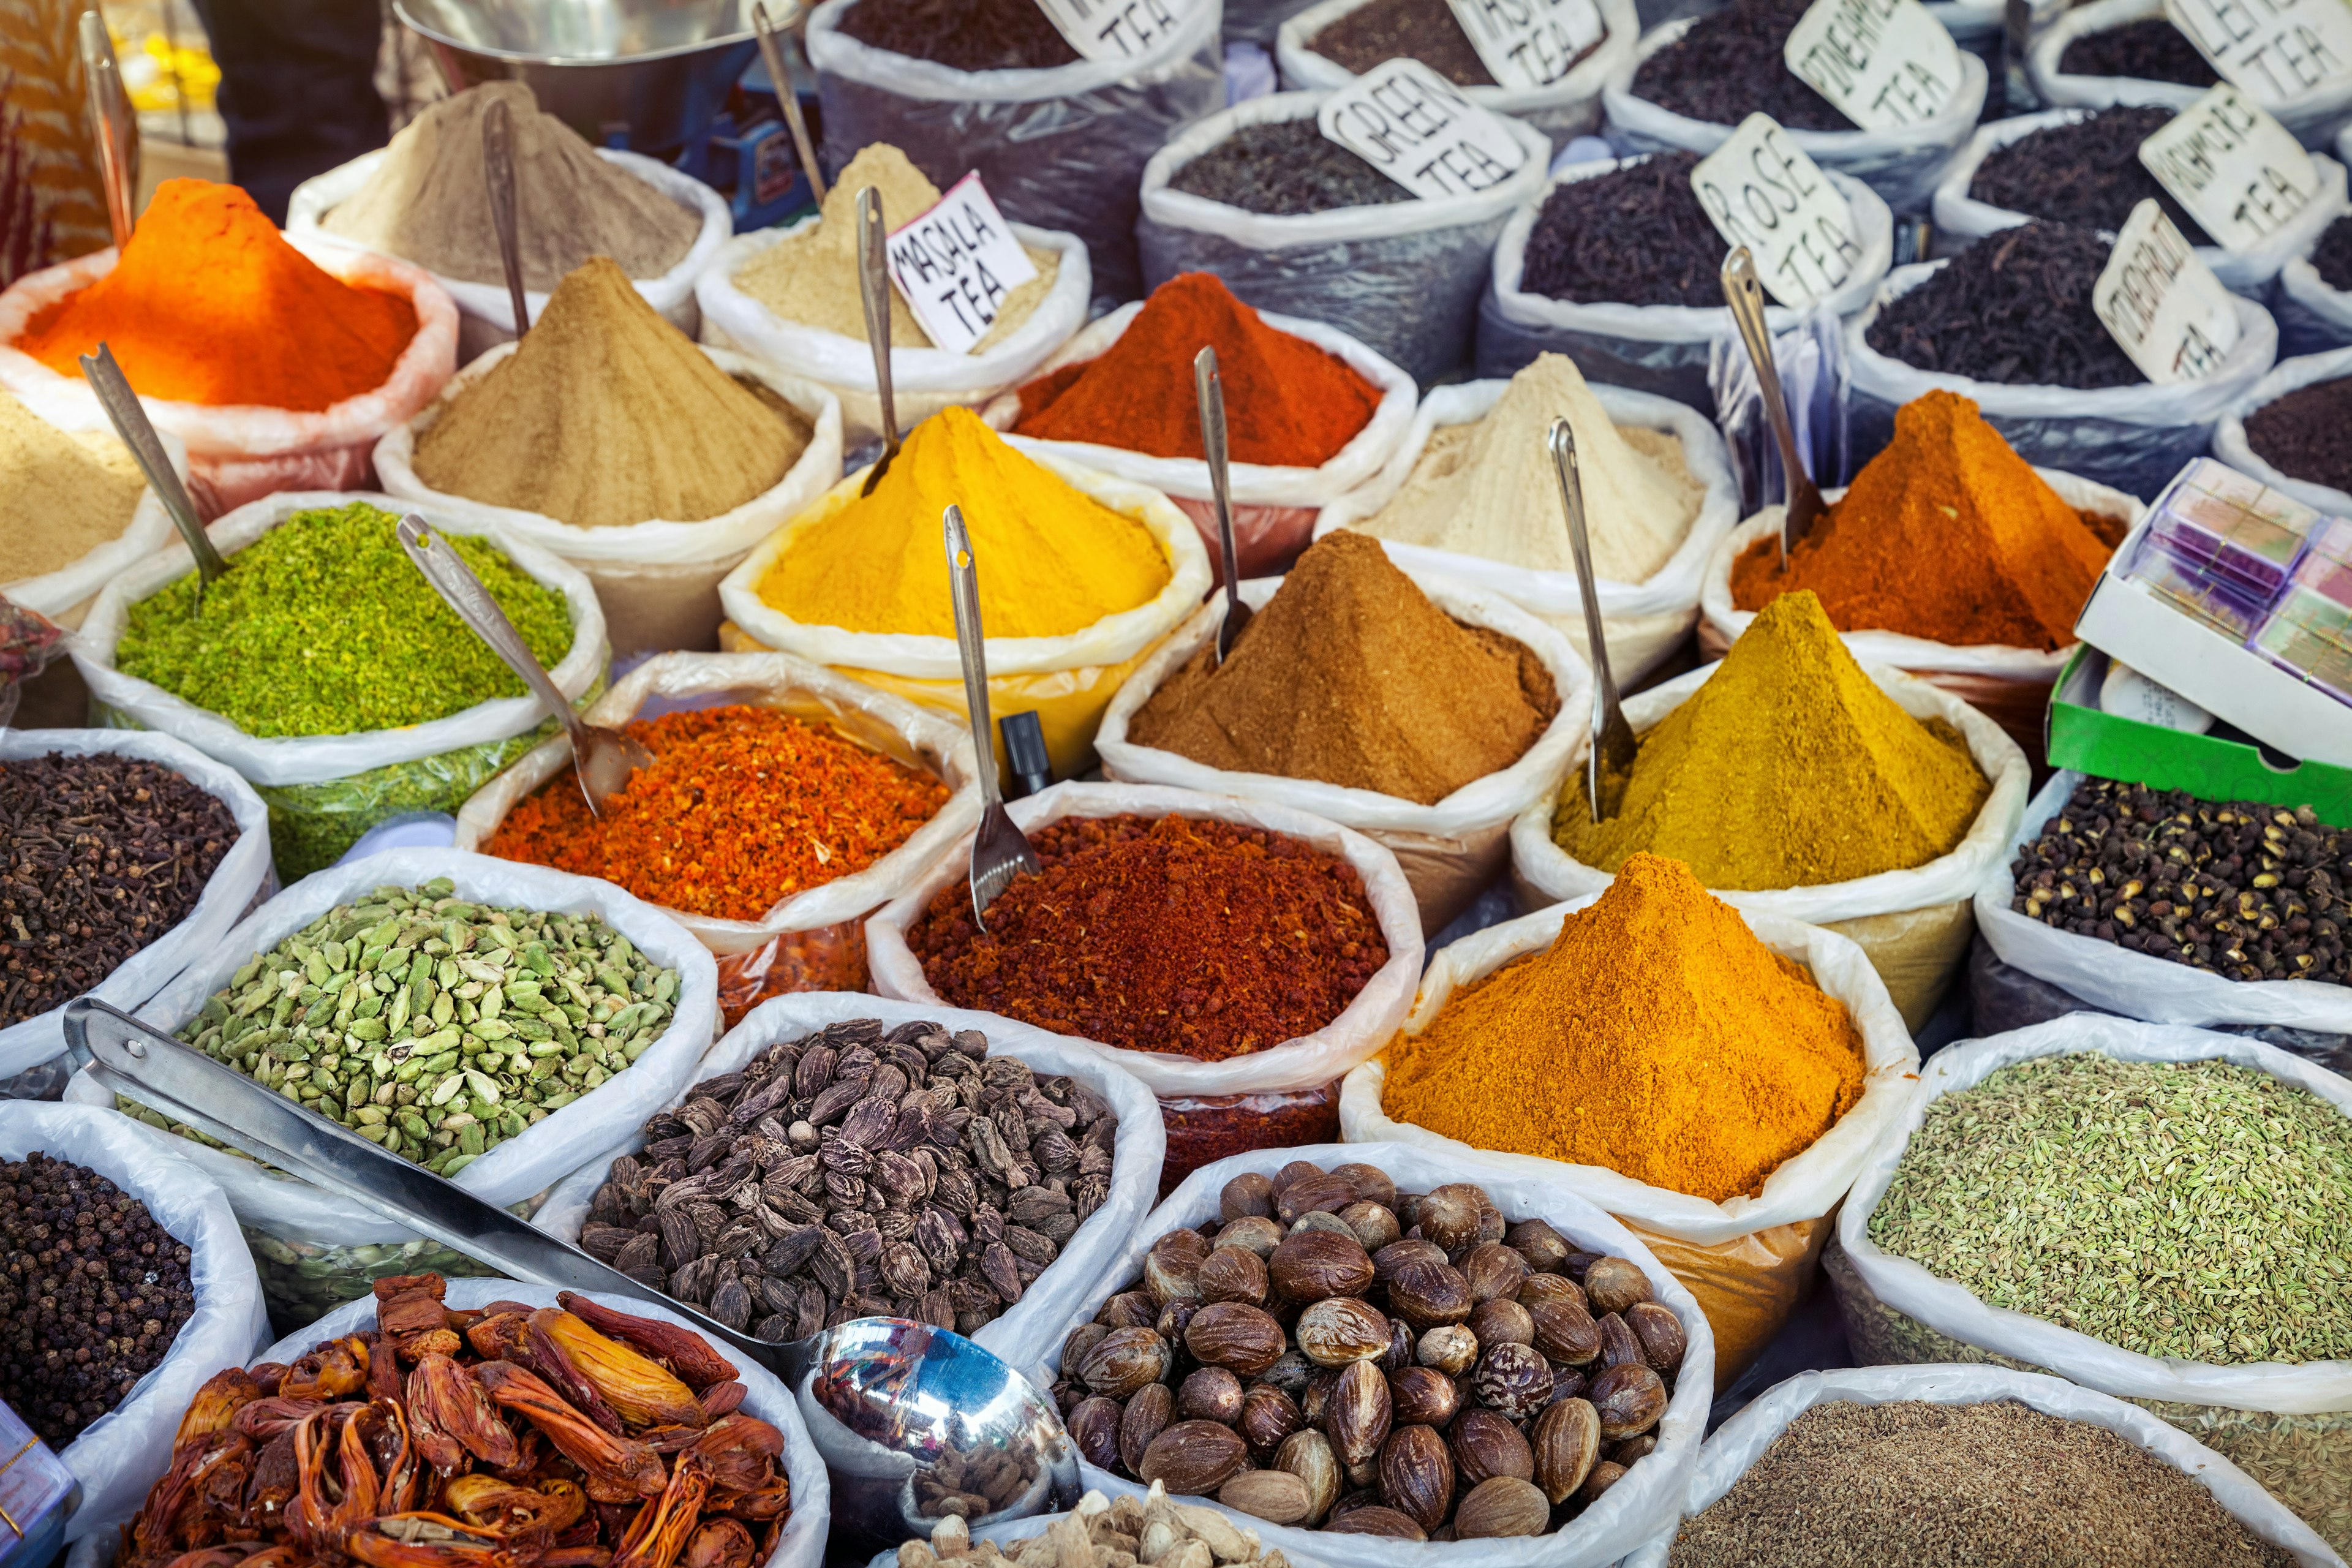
(1634, 235)
(2014, 308)
(2151, 49)
(2085, 171)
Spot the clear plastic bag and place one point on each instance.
(2313, 318)
(1061, 148)
(2133, 438)
(1660, 348)
(2229, 443)
(2314, 118)
(30, 643)
(1028, 1331)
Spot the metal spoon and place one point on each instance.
(498, 175)
(1611, 760)
(1210, 391)
(602, 759)
(110, 120)
(1000, 852)
(131, 423)
(874, 293)
(885, 1399)
(1744, 295)
(773, 58)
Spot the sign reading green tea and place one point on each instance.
(1115, 29)
(2278, 50)
(956, 264)
(2162, 305)
(1529, 43)
(2240, 173)
(1885, 64)
(1762, 191)
(1418, 128)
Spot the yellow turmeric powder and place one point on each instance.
(1656, 1037)
(1052, 560)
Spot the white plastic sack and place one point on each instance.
(2229, 443)
(876, 720)
(120, 1455)
(922, 381)
(1029, 1331)
(1898, 650)
(1901, 166)
(1641, 622)
(1628, 1513)
(2132, 438)
(1561, 109)
(63, 595)
(802, 1544)
(2312, 317)
(2136, 984)
(243, 451)
(1309, 1061)
(1060, 148)
(1960, 219)
(1449, 851)
(2315, 117)
(1402, 278)
(239, 878)
(1743, 1439)
(1660, 348)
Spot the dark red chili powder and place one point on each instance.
(1207, 939)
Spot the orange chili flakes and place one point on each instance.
(742, 808)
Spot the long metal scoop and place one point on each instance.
(110, 119)
(773, 58)
(602, 759)
(999, 850)
(1745, 294)
(131, 423)
(498, 175)
(1208, 390)
(874, 293)
(887, 1400)
(1610, 762)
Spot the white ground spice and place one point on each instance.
(61, 495)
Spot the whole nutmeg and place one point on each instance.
(1234, 1335)
(1342, 1329)
(1512, 1379)
(1611, 1285)
(1397, 1254)
(1210, 1393)
(1125, 1359)
(1605, 1474)
(1255, 1232)
(1629, 1399)
(1494, 1272)
(1128, 1309)
(1069, 1393)
(1082, 1338)
(1399, 1355)
(1551, 1287)
(1318, 1194)
(1423, 1396)
(1192, 1457)
(1288, 1374)
(1322, 1220)
(1501, 1505)
(1568, 1382)
(1297, 1170)
(1268, 1418)
(1175, 1318)
(1618, 1345)
(1451, 1350)
(1565, 1332)
(1354, 1497)
(1371, 1183)
(1171, 1268)
(1577, 1263)
(1544, 1249)
(1315, 1402)
(1146, 1417)
(1094, 1426)
(1275, 1496)
(1500, 1322)
(1416, 1476)
(1634, 1448)
(1247, 1194)
(1487, 1444)
(1428, 1295)
(1449, 1215)
(1357, 1415)
(1566, 1439)
(1490, 1224)
(1232, 1274)
(1661, 1333)
(1307, 1455)
(1372, 1226)
(1376, 1520)
(1311, 1264)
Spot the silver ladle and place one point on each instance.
(498, 175)
(110, 119)
(602, 759)
(874, 293)
(1610, 760)
(131, 423)
(773, 58)
(887, 1400)
(999, 851)
(1745, 294)
(1208, 390)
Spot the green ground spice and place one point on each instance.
(322, 627)
(2200, 1210)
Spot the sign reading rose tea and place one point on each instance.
(956, 263)
(1762, 191)
(1420, 131)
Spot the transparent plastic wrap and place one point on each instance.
(2288, 1424)
(1901, 166)
(1739, 1442)
(1257, 21)
(2312, 317)
(2131, 438)
(1027, 1331)
(1062, 148)
(2315, 116)
(2229, 443)
(1662, 348)
(1749, 1260)
(1404, 277)
(1206, 1128)
(1962, 220)
(30, 643)
(325, 791)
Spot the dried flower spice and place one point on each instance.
(2199, 1210)
(1208, 939)
(576, 1436)
(93, 1293)
(743, 807)
(855, 1172)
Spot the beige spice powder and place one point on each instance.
(61, 495)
